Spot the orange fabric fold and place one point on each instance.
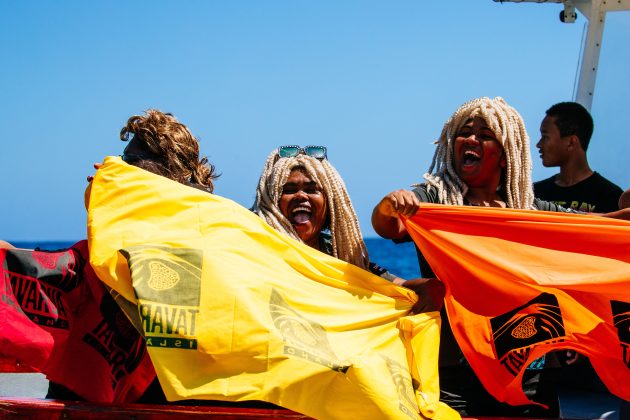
(521, 283)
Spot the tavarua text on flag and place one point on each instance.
(521, 283)
(58, 318)
(233, 310)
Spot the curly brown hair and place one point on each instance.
(169, 149)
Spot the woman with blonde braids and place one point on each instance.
(482, 158)
(302, 195)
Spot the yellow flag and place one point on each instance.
(233, 310)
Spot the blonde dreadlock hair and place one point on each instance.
(509, 128)
(347, 241)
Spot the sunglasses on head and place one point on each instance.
(317, 152)
(131, 158)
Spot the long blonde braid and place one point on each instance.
(509, 128)
(347, 241)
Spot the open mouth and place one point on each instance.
(301, 215)
(470, 157)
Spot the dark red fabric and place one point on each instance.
(58, 317)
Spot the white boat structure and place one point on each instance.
(594, 11)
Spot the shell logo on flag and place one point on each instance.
(516, 331)
(405, 387)
(46, 260)
(156, 269)
(307, 339)
(302, 337)
(526, 329)
(167, 282)
(162, 277)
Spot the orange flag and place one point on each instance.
(521, 283)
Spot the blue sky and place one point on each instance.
(374, 81)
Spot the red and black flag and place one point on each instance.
(58, 318)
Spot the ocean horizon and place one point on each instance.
(399, 259)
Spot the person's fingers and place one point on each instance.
(393, 201)
(97, 166)
(403, 202)
(387, 206)
(408, 203)
(391, 204)
(430, 293)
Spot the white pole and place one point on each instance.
(595, 13)
(590, 57)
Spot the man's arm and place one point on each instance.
(623, 214)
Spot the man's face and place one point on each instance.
(553, 148)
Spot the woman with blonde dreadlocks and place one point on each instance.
(482, 158)
(302, 195)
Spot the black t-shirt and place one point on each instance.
(594, 194)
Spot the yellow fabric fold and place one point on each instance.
(233, 310)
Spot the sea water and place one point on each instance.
(399, 259)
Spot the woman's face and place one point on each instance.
(478, 156)
(304, 204)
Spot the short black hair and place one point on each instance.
(573, 119)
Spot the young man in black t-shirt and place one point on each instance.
(565, 135)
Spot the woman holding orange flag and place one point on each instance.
(482, 158)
